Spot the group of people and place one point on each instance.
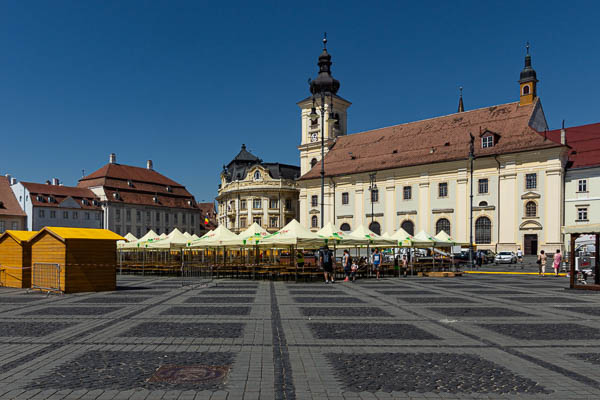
(326, 260)
(542, 260)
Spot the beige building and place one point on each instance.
(417, 175)
(254, 191)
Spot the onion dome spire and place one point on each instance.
(528, 74)
(461, 106)
(324, 83)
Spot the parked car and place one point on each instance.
(505, 257)
(463, 257)
(488, 256)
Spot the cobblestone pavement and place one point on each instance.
(479, 336)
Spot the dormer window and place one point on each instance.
(155, 199)
(169, 189)
(487, 141)
(257, 175)
(40, 198)
(84, 202)
(129, 183)
(50, 199)
(116, 195)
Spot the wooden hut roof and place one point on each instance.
(19, 236)
(80, 233)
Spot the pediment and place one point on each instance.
(69, 202)
(530, 195)
(530, 225)
(264, 174)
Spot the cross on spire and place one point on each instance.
(324, 40)
(527, 47)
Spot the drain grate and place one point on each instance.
(190, 374)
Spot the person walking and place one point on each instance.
(405, 265)
(347, 264)
(300, 260)
(326, 261)
(376, 262)
(479, 259)
(541, 261)
(520, 256)
(557, 260)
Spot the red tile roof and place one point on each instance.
(136, 185)
(440, 139)
(9, 204)
(584, 142)
(128, 172)
(59, 194)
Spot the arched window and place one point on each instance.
(530, 209)
(526, 89)
(408, 227)
(256, 175)
(375, 228)
(313, 162)
(442, 224)
(483, 230)
(314, 221)
(345, 227)
(483, 204)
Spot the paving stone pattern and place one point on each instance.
(428, 372)
(70, 310)
(353, 312)
(31, 329)
(479, 336)
(323, 330)
(186, 329)
(129, 370)
(190, 310)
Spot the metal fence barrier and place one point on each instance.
(196, 275)
(46, 277)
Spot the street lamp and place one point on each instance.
(372, 188)
(331, 119)
(471, 158)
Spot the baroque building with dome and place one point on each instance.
(417, 175)
(253, 191)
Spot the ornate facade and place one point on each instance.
(417, 175)
(254, 191)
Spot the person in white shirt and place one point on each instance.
(520, 255)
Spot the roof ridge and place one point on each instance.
(432, 118)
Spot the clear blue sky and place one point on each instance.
(186, 83)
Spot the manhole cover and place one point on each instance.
(190, 374)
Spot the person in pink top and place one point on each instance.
(557, 260)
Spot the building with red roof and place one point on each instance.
(137, 199)
(582, 180)
(52, 204)
(417, 175)
(11, 214)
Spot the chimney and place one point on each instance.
(48, 182)
(563, 134)
(55, 181)
(149, 164)
(13, 181)
(8, 178)
(112, 159)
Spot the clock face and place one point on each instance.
(314, 137)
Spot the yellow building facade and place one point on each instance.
(417, 175)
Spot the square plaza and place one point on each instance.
(479, 336)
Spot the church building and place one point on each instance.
(417, 175)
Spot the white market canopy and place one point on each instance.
(254, 234)
(369, 237)
(220, 237)
(173, 240)
(334, 235)
(423, 239)
(130, 238)
(444, 237)
(194, 237)
(187, 235)
(402, 238)
(148, 237)
(293, 234)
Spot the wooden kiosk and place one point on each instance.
(575, 231)
(15, 258)
(71, 260)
